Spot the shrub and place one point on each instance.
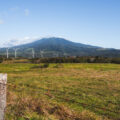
(1, 60)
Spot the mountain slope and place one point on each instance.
(51, 47)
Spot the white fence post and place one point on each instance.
(3, 83)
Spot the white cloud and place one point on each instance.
(18, 41)
(1, 21)
(14, 8)
(27, 12)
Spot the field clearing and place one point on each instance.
(91, 91)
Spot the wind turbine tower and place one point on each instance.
(33, 53)
(41, 53)
(16, 52)
(7, 50)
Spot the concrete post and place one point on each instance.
(3, 85)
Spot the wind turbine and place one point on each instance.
(56, 54)
(16, 52)
(41, 53)
(65, 54)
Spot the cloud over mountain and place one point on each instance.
(17, 41)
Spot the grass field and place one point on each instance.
(62, 91)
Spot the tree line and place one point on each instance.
(95, 59)
(90, 59)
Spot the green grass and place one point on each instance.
(94, 88)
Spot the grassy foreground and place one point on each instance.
(62, 91)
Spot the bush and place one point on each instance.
(46, 65)
(1, 60)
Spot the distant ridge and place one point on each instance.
(54, 46)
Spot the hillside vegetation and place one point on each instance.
(62, 91)
(59, 47)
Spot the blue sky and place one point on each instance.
(95, 22)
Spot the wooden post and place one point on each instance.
(3, 83)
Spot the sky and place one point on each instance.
(94, 22)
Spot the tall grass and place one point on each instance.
(62, 92)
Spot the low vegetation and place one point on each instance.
(62, 91)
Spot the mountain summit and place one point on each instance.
(53, 41)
